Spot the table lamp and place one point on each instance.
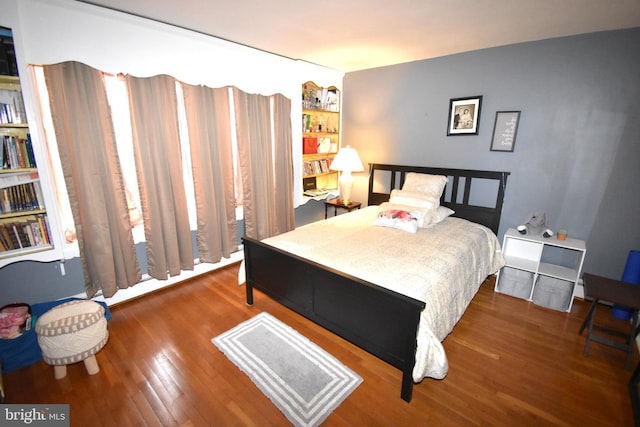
(346, 161)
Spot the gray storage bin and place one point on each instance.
(515, 282)
(553, 293)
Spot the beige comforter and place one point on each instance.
(442, 266)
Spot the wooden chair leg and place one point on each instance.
(634, 382)
(589, 314)
(91, 364)
(632, 338)
(589, 320)
(59, 371)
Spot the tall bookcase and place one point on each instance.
(320, 137)
(24, 224)
(29, 229)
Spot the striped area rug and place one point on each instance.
(301, 379)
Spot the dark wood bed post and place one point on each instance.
(249, 294)
(247, 267)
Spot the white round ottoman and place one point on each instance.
(72, 332)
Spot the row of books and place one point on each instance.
(316, 167)
(17, 153)
(25, 233)
(21, 198)
(8, 64)
(12, 109)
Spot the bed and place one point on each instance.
(368, 290)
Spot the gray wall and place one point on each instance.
(578, 144)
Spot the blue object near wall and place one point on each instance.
(24, 350)
(631, 274)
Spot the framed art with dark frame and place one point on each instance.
(464, 115)
(505, 129)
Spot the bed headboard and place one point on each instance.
(474, 195)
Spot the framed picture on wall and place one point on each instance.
(505, 129)
(464, 115)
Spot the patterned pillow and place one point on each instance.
(405, 218)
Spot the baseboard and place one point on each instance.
(579, 290)
(149, 284)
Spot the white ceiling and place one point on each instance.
(350, 35)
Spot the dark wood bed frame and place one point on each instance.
(382, 322)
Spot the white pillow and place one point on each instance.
(441, 213)
(414, 198)
(401, 217)
(430, 185)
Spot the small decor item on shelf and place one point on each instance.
(562, 234)
(535, 225)
(324, 145)
(309, 145)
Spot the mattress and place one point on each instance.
(443, 266)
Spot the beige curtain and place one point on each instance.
(156, 141)
(84, 132)
(265, 164)
(208, 119)
(285, 217)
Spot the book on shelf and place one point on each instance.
(24, 233)
(7, 238)
(316, 167)
(38, 194)
(12, 109)
(20, 198)
(17, 153)
(8, 64)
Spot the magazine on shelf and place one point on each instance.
(316, 192)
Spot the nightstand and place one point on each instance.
(337, 203)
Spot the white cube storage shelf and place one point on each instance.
(543, 270)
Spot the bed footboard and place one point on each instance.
(380, 321)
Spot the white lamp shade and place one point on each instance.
(347, 160)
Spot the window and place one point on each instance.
(118, 99)
(117, 95)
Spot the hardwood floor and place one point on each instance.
(510, 363)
